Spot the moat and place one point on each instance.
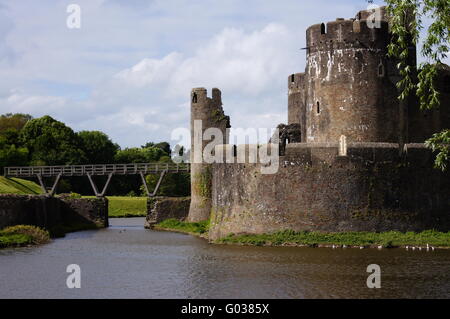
(127, 261)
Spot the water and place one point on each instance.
(127, 261)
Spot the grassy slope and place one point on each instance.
(385, 239)
(23, 235)
(18, 186)
(127, 206)
(185, 227)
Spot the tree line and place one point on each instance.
(28, 141)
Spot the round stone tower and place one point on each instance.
(205, 113)
(296, 102)
(348, 87)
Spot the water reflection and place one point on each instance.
(127, 261)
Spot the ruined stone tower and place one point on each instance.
(205, 113)
(296, 102)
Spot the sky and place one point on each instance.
(129, 69)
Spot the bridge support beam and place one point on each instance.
(53, 189)
(94, 187)
(157, 185)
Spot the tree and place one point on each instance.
(12, 155)
(51, 142)
(162, 145)
(406, 30)
(13, 121)
(178, 184)
(98, 147)
(139, 155)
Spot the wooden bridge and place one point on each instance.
(109, 170)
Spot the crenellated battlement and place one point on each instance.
(347, 34)
(200, 96)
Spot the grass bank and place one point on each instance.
(350, 239)
(23, 235)
(127, 206)
(124, 206)
(18, 186)
(198, 229)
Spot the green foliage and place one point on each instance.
(406, 18)
(51, 142)
(204, 182)
(21, 235)
(174, 224)
(18, 186)
(74, 195)
(139, 155)
(178, 184)
(98, 147)
(11, 155)
(440, 142)
(385, 239)
(164, 146)
(13, 121)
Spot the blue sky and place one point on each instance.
(129, 69)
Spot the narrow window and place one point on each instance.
(234, 150)
(381, 70)
(292, 78)
(323, 28)
(318, 107)
(194, 98)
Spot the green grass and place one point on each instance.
(23, 235)
(18, 186)
(192, 228)
(127, 206)
(386, 239)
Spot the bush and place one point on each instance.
(24, 234)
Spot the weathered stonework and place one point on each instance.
(370, 189)
(50, 212)
(352, 156)
(210, 112)
(162, 208)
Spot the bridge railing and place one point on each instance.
(102, 169)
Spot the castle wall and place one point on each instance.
(348, 88)
(210, 112)
(162, 208)
(51, 212)
(371, 189)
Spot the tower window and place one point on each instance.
(381, 70)
(323, 28)
(194, 98)
(293, 78)
(318, 107)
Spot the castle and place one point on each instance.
(352, 156)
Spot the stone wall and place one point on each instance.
(162, 208)
(49, 212)
(375, 188)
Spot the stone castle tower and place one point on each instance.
(348, 87)
(205, 113)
